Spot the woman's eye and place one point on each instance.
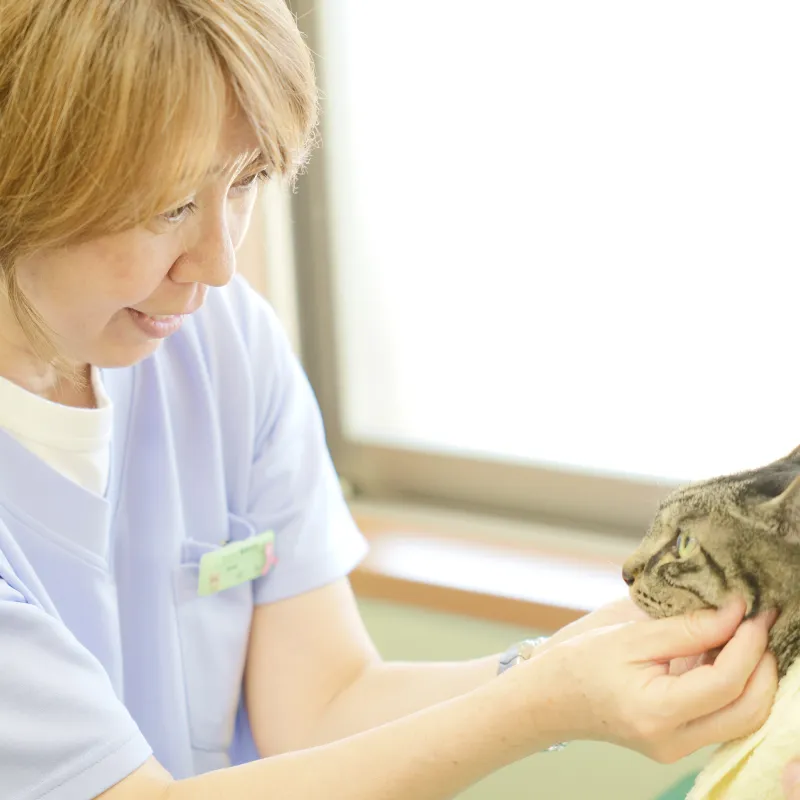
(686, 545)
(179, 214)
(248, 183)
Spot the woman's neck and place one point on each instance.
(79, 394)
(65, 390)
(46, 381)
(21, 365)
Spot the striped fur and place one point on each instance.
(746, 532)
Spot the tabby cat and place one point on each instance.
(737, 534)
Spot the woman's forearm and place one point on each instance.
(429, 755)
(387, 691)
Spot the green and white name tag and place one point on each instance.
(237, 563)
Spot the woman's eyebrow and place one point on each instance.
(246, 160)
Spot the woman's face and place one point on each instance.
(111, 301)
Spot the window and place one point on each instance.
(548, 252)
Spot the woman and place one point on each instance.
(174, 548)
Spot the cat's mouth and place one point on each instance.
(650, 605)
(646, 604)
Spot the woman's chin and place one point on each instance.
(119, 356)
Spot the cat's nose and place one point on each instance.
(629, 574)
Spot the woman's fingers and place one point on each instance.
(754, 633)
(791, 781)
(680, 665)
(742, 717)
(710, 687)
(624, 693)
(687, 635)
(614, 613)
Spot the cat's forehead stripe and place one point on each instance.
(716, 568)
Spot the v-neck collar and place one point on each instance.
(46, 499)
(120, 385)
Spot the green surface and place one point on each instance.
(583, 771)
(679, 790)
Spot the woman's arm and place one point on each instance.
(430, 755)
(612, 684)
(314, 676)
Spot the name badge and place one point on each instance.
(236, 563)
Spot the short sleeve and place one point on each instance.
(294, 488)
(64, 735)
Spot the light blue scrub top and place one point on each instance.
(107, 653)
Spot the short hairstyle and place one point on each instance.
(109, 112)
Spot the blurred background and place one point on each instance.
(541, 270)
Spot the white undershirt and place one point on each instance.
(74, 441)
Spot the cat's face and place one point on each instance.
(734, 535)
(738, 535)
(688, 561)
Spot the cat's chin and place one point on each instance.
(650, 608)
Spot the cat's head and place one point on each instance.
(734, 535)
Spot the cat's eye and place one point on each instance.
(686, 545)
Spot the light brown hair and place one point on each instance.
(109, 112)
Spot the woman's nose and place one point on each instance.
(210, 257)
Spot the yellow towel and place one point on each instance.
(752, 768)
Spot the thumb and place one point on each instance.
(691, 634)
(791, 781)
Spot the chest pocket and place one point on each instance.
(214, 633)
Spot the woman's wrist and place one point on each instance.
(538, 698)
(517, 654)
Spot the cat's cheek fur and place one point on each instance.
(657, 603)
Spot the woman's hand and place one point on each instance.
(615, 683)
(614, 613)
(791, 780)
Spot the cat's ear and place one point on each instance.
(794, 454)
(786, 509)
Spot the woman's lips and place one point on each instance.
(156, 327)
